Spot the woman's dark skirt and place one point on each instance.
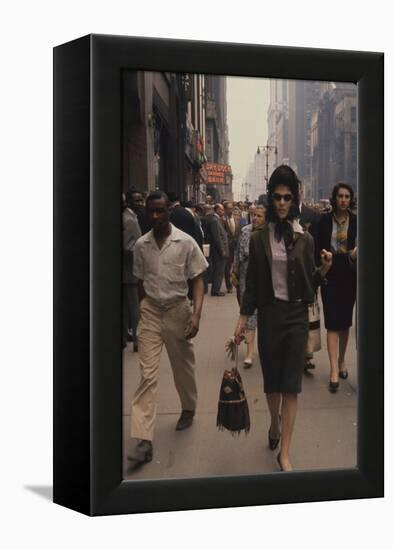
(338, 298)
(282, 338)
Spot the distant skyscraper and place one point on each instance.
(217, 140)
(313, 125)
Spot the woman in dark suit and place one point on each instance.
(337, 233)
(281, 280)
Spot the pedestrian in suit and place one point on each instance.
(198, 232)
(219, 249)
(232, 228)
(281, 280)
(309, 220)
(131, 233)
(183, 219)
(337, 233)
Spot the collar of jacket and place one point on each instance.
(297, 227)
(264, 232)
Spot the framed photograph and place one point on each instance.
(208, 123)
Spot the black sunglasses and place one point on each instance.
(287, 197)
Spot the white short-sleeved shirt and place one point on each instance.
(165, 272)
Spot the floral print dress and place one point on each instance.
(241, 259)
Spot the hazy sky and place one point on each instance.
(247, 105)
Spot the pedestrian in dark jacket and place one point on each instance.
(281, 280)
(183, 219)
(337, 233)
(219, 248)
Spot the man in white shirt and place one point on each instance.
(165, 259)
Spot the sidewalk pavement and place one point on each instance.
(325, 435)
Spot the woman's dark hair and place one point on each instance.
(341, 185)
(156, 195)
(283, 175)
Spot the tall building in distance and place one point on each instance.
(217, 140)
(313, 124)
(334, 139)
(277, 119)
(254, 184)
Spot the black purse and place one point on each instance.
(233, 413)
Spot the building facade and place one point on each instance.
(314, 126)
(334, 139)
(164, 133)
(217, 140)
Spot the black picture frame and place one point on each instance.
(87, 274)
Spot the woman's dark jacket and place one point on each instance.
(303, 279)
(342, 268)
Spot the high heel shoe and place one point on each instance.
(333, 386)
(273, 441)
(279, 463)
(343, 374)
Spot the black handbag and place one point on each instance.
(233, 413)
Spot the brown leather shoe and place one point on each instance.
(185, 420)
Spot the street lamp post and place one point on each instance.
(266, 148)
(246, 189)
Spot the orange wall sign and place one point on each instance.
(218, 173)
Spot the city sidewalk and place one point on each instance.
(325, 429)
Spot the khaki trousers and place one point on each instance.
(160, 325)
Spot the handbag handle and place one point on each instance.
(234, 369)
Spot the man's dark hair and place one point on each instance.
(172, 196)
(199, 209)
(341, 185)
(130, 192)
(157, 195)
(188, 204)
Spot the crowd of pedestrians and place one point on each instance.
(275, 253)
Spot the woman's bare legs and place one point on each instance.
(332, 346)
(250, 340)
(288, 413)
(343, 343)
(274, 402)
